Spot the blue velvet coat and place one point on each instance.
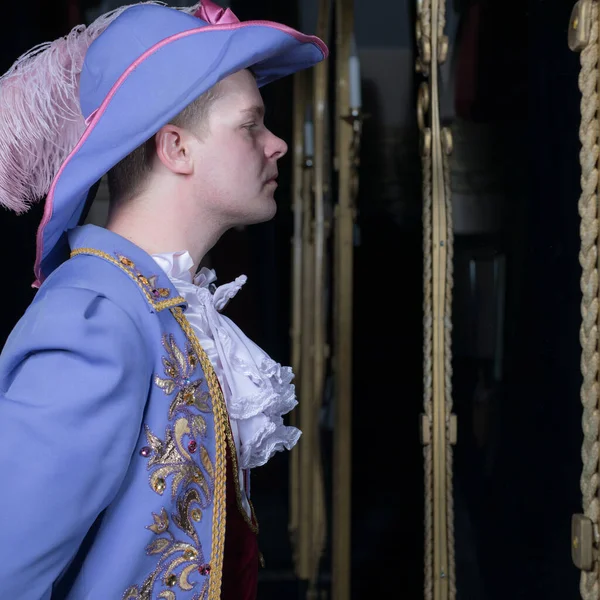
(113, 437)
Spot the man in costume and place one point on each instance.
(131, 409)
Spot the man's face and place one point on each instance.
(235, 162)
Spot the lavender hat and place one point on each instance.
(133, 69)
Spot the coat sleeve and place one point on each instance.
(75, 375)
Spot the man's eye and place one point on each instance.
(250, 126)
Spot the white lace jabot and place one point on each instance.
(258, 391)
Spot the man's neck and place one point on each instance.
(159, 233)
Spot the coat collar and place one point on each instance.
(156, 287)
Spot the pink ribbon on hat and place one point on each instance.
(214, 14)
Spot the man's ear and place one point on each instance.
(173, 149)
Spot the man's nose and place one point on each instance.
(276, 147)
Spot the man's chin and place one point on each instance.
(267, 212)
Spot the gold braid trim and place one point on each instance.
(221, 424)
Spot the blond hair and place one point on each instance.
(126, 178)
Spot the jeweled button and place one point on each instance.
(160, 485)
(196, 515)
(171, 580)
(146, 451)
(192, 446)
(125, 261)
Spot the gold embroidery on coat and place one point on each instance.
(212, 586)
(179, 367)
(171, 458)
(191, 483)
(174, 554)
(144, 283)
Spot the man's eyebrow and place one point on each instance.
(256, 110)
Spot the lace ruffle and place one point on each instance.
(258, 390)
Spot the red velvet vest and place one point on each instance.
(241, 555)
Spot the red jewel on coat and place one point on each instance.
(204, 569)
(145, 451)
(192, 446)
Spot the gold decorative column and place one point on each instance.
(438, 424)
(320, 317)
(301, 335)
(310, 346)
(348, 130)
(585, 535)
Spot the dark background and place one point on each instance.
(512, 521)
